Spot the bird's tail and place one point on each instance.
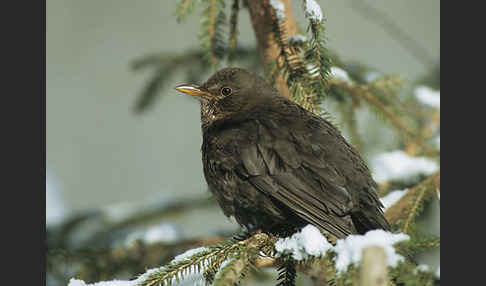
(369, 219)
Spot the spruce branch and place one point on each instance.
(155, 83)
(287, 272)
(244, 252)
(385, 105)
(177, 270)
(364, 92)
(306, 82)
(184, 7)
(418, 244)
(233, 34)
(409, 206)
(238, 267)
(229, 275)
(408, 274)
(212, 31)
(318, 55)
(263, 25)
(105, 263)
(289, 65)
(319, 269)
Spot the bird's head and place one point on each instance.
(230, 93)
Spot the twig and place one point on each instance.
(422, 191)
(374, 267)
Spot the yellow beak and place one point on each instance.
(193, 90)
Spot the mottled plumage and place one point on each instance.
(272, 164)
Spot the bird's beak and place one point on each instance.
(193, 90)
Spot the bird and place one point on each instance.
(276, 167)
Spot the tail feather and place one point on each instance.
(369, 219)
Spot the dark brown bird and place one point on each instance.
(273, 165)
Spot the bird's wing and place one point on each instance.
(296, 166)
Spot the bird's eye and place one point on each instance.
(226, 91)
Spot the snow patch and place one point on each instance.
(398, 165)
(423, 268)
(308, 242)
(428, 96)
(313, 10)
(163, 232)
(340, 74)
(392, 197)
(349, 250)
(279, 9)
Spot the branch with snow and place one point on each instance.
(307, 243)
(313, 10)
(279, 9)
(340, 74)
(392, 197)
(428, 96)
(408, 207)
(310, 242)
(349, 250)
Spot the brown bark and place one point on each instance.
(261, 18)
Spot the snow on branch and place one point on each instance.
(310, 242)
(428, 96)
(349, 250)
(313, 10)
(340, 74)
(191, 279)
(392, 197)
(397, 165)
(303, 245)
(279, 9)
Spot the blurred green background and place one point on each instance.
(99, 152)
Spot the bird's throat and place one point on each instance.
(210, 113)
